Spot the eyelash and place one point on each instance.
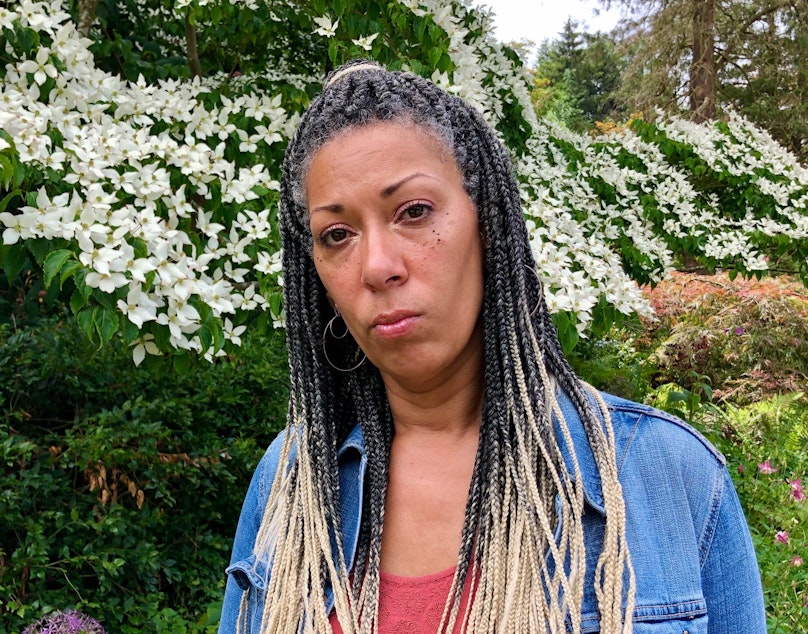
(413, 204)
(326, 235)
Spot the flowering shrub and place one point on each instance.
(150, 205)
(773, 500)
(756, 411)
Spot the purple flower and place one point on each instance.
(796, 488)
(766, 467)
(67, 622)
(739, 330)
(781, 537)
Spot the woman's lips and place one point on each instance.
(393, 325)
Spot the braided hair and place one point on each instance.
(526, 577)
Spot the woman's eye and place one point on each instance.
(414, 211)
(332, 237)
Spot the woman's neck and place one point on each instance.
(447, 404)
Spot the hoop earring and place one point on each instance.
(533, 270)
(329, 327)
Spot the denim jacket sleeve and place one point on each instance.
(688, 538)
(730, 575)
(244, 571)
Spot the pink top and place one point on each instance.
(413, 605)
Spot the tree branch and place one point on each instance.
(86, 16)
(190, 41)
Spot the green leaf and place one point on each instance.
(54, 263)
(205, 337)
(434, 55)
(182, 363)
(19, 175)
(28, 40)
(11, 196)
(106, 324)
(77, 301)
(69, 269)
(39, 248)
(677, 397)
(86, 321)
(6, 171)
(130, 331)
(14, 259)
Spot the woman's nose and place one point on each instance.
(382, 260)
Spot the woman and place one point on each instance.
(443, 469)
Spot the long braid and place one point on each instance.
(524, 558)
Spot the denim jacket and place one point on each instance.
(693, 558)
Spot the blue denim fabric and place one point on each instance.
(693, 558)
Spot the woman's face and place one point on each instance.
(397, 246)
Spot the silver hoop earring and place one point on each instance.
(541, 289)
(329, 327)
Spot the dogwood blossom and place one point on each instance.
(366, 42)
(141, 183)
(325, 26)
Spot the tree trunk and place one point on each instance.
(190, 42)
(703, 65)
(86, 16)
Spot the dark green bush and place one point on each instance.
(121, 486)
(612, 363)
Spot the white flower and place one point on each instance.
(366, 42)
(18, 226)
(143, 345)
(233, 334)
(40, 67)
(107, 282)
(138, 307)
(325, 27)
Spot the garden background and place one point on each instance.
(141, 342)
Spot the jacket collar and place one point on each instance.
(593, 490)
(355, 441)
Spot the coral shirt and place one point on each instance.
(413, 605)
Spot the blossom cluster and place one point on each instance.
(163, 196)
(67, 622)
(144, 184)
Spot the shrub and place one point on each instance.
(750, 338)
(765, 448)
(613, 364)
(120, 487)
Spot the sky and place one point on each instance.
(543, 19)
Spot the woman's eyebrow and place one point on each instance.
(334, 208)
(391, 189)
(385, 193)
